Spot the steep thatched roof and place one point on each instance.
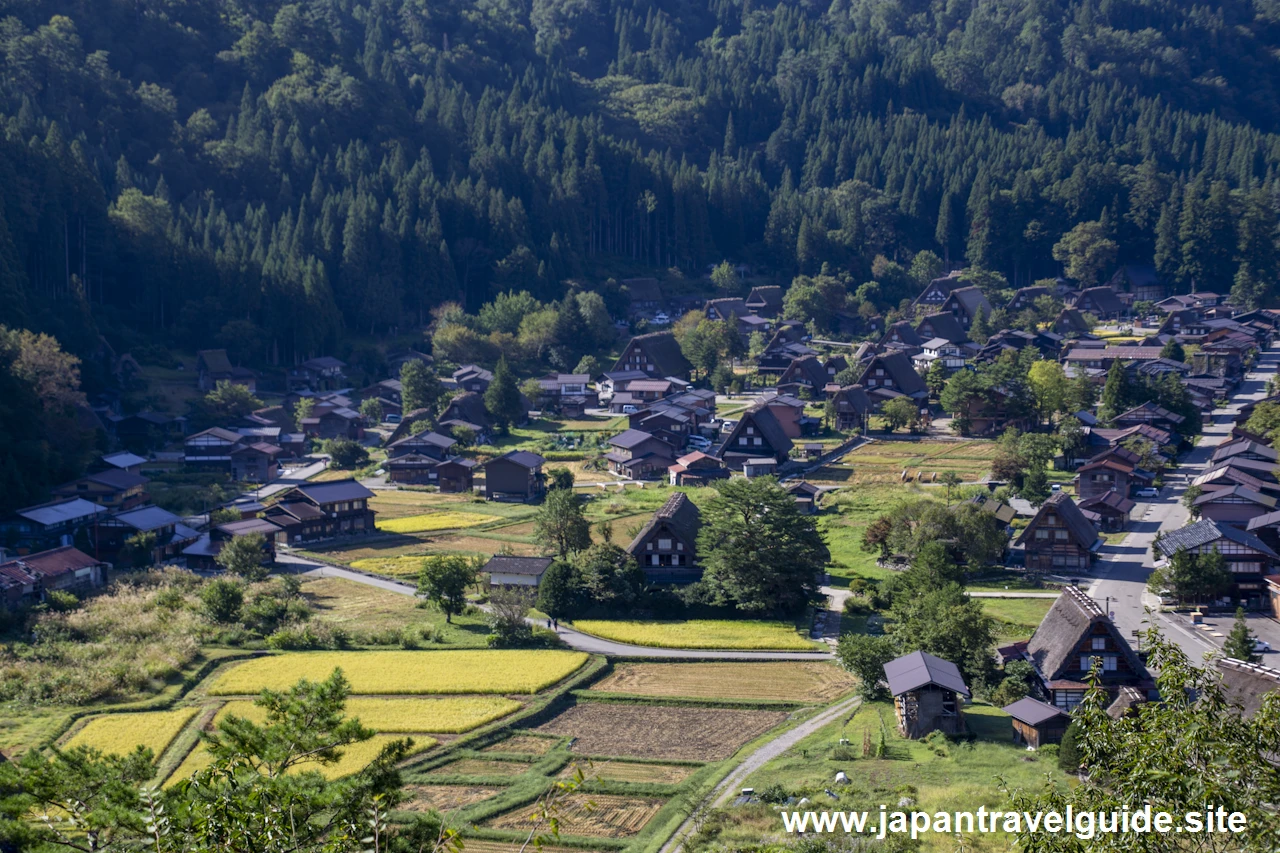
(1248, 683)
(679, 514)
(1052, 647)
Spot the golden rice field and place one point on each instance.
(433, 521)
(700, 634)
(452, 715)
(884, 461)
(403, 566)
(789, 681)
(355, 758)
(405, 672)
(120, 734)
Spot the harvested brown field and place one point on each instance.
(647, 731)
(485, 845)
(627, 771)
(479, 767)
(523, 745)
(598, 815)
(444, 798)
(783, 681)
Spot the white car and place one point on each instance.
(1148, 493)
(1261, 646)
(661, 319)
(699, 442)
(629, 409)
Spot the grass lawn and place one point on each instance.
(961, 778)
(847, 513)
(1017, 618)
(367, 610)
(702, 634)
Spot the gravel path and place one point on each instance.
(729, 786)
(575, 639)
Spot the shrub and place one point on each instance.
(1069, 750)
(61, 601)
(309, 637)
(221, 601)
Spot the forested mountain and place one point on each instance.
(171, 166)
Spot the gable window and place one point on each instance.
(1099, 643)
(664, 544)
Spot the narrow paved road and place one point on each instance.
(574, 639)
(728, 787)
(1124, 567)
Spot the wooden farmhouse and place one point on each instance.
(515, 476)
(1059, 537)
(666, 548)
(927, 693)
(1072, 636)
(657, 354)
(314, 511)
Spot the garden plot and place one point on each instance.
(479, 767)
(595, 815)
(444, 798)
(790, 681)
(405, 672)
(485, 845)
(631, 771)
(523, 745)
(121, 734)
(649, 731)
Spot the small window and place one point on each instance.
(1109, 663)
(1060, 535)
(649, 546)
(679, 546)
(664, 544)
(1042, 534)
(1099, 643)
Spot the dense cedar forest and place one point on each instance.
(317, 168)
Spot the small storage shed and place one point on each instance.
(1037, 723)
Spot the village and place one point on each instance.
(1069, 468)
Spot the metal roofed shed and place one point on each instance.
(516, 571)
(913, 671)
(51, 515)
(926, 691)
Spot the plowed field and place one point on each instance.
(643, 731)
(598, 815)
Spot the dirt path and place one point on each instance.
(728, 787)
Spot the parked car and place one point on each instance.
(629, 409)
(699, 442)
(1148, 492)
(661, 319)
(1056, 487)
(392, 419)
(1261, 646)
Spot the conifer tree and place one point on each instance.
(1115, 394)
(1240, 642)
(502, 398)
